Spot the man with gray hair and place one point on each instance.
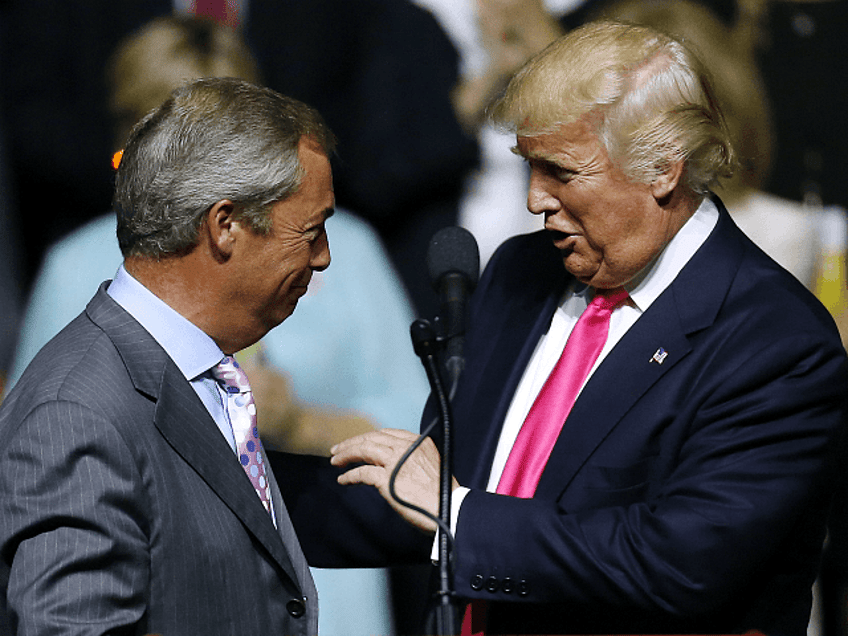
(645, 428)
(134, 493)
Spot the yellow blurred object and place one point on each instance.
(831, 284)
(116, 159)
(253, 354)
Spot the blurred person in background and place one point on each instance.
(311, 392)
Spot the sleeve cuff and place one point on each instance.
(457, 497)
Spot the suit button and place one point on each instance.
(523, 588)
(477, 582)
(296, 608)
(506, 585)
(492, 584)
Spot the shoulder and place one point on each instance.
(734, 301)
(777, 294)
(80, 364)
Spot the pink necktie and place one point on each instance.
(540, 430)
(242, 412)
(544, 422)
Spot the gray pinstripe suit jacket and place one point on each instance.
(122, 508)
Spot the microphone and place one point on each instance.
(453, 261)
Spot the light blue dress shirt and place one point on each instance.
(194, 352)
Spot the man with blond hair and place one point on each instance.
(668, 470)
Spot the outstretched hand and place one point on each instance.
(379, 451)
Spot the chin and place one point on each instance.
(597, 282)
(587, 279)
(276, 318)
(285, 312)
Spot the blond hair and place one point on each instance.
(736, 77)
(650, 96)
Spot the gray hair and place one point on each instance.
(653, 97)
(212, 139)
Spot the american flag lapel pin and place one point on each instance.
(659, 357)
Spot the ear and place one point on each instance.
(222, 228)
(665, 183)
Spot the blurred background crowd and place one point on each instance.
(404, 84)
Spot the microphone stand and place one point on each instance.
(445, 615)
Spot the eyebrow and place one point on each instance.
(536, 156)
(544, 161)
(325, 214)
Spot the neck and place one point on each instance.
(190, 285)
(680, 205)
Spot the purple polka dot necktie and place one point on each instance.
(242, 412)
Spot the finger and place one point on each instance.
(393, 438)
(369, 452)
(351, 442)
(366, 475)
(406, 437)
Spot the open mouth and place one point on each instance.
(562, 241)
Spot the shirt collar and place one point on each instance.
(192, 350)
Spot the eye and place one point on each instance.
(553, 170)
(562, 174)
(314, 233)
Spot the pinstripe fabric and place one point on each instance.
(123, 509)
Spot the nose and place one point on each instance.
(539, 197)
(321, 254)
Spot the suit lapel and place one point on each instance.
(689, 304)
(628, 368)
(188, 428)
(184, 422)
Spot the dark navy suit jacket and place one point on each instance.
(686, 496)
(123, 509)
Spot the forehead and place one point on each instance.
(564, 140)
(317, 175)
(314, 200)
